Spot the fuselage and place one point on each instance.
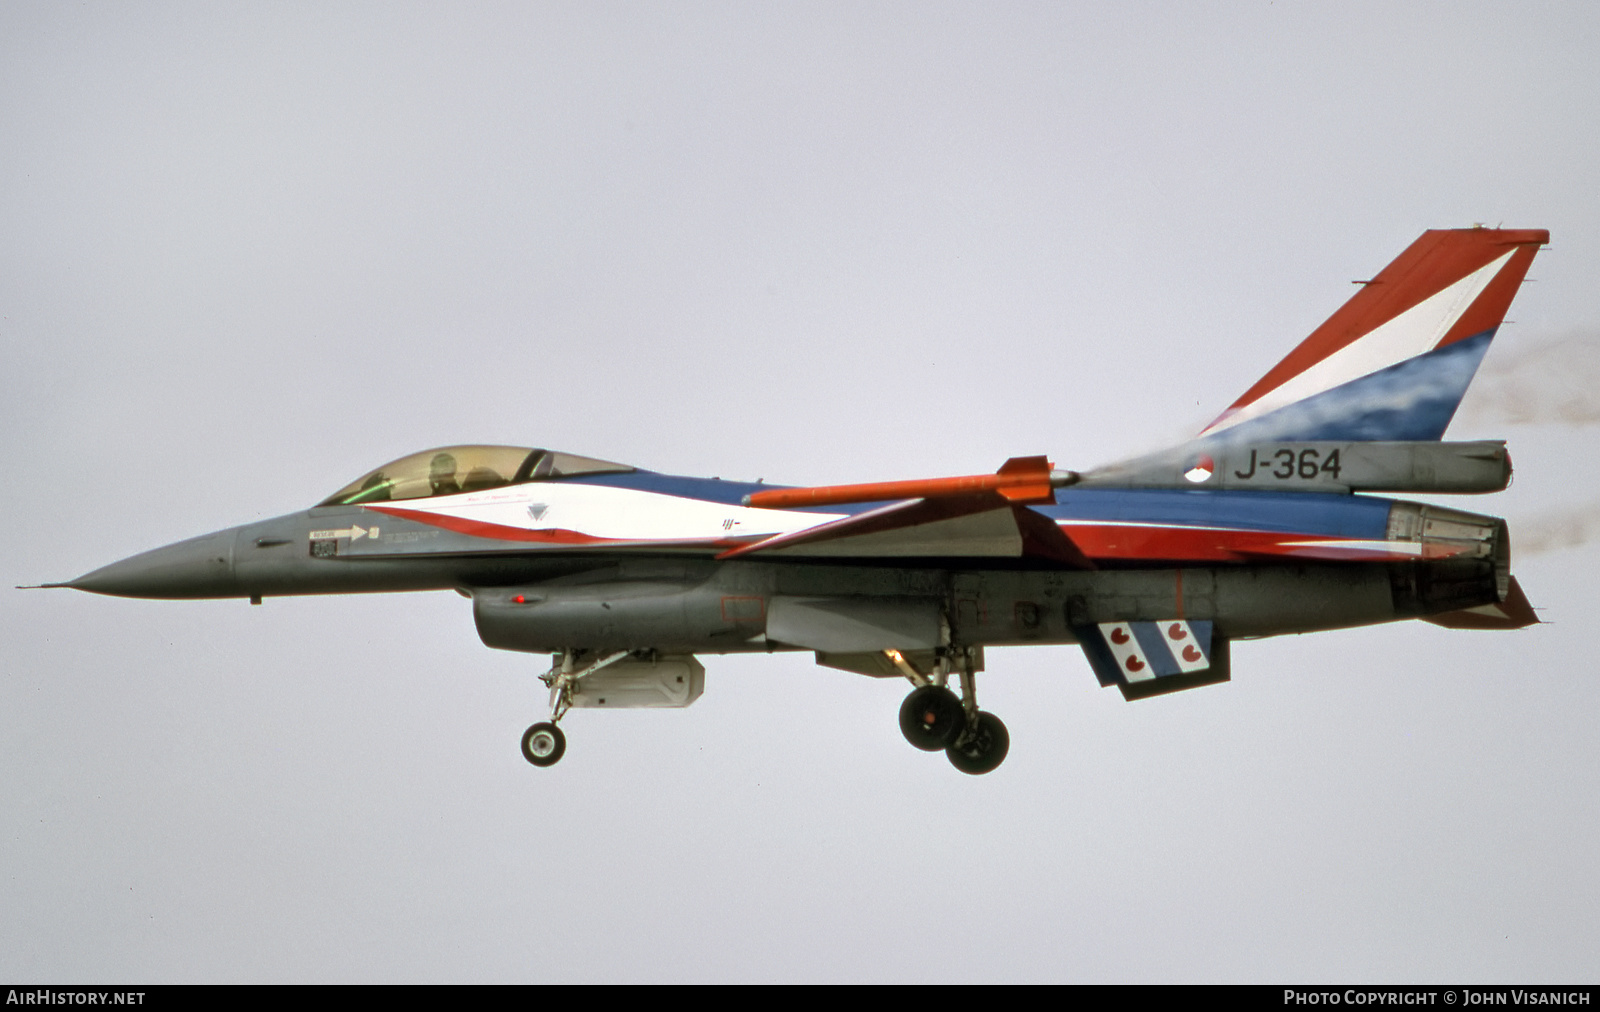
(646, 547)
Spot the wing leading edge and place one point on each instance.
(973, 515)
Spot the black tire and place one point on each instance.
(543, 744)
(982, 748)
(931, 717)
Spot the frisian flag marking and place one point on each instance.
(1143, 651)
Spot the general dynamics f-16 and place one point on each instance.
(1264, 524)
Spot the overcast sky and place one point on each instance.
(249, 252)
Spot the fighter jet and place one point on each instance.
(1265, 523)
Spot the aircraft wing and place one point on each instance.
(977, 515)
(945, 527)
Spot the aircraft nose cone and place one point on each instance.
(198, 567)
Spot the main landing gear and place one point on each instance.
(544, 744)
(933, 718)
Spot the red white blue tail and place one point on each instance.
(1394, 362)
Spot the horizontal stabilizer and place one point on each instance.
(1513, 613)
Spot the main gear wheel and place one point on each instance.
(981, 747)
(931, 717)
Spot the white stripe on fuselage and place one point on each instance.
(1405, 548)
(619, 514)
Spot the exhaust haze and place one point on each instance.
(1547, 381)
(1557, 529)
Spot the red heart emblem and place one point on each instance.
(1135, 664)
(1191, 653)
(1175, 631)
(1119, 636)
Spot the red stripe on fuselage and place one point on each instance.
(1130, 543)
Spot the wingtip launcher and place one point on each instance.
(1020, 480)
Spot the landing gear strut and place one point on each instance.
(933, 718)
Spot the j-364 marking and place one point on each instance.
(1285, 464)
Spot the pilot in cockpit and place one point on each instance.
(442, 475)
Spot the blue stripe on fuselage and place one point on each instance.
(1334, 515)
(704, 489)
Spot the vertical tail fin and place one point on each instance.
(1394, 361)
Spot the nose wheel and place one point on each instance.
(543, 744)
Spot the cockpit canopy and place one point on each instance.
(449, 470)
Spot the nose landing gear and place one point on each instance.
(544, 744)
